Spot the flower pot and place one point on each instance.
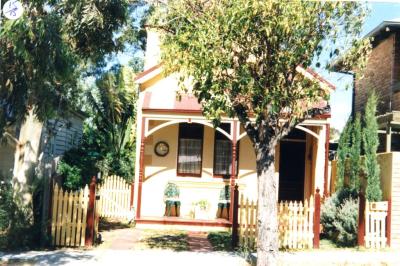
(223, 210)
(172, 208)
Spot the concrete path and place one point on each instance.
(121, 257)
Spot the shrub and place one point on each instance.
(339, 217)
(71, 175)
(220, 241)
(17, 227)
(346, 223)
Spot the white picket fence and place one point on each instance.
(375, 224)
(295, 221)
(114, 200)
(68, 220)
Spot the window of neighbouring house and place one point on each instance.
(223, 153)
(190, 149)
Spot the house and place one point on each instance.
(382, 74)
(176, 144)
(25, 145)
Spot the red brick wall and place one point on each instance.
(378, 76)
(396, 75)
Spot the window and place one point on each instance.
(223, 153)
(190, 149)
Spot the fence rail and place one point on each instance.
(375, 224)
(115, 198)
(295, 221)
(69, 214)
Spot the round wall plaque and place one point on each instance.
(161, 148)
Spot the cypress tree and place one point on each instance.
(343, 153)
(355, 153)
(370, 144)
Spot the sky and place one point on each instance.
(341, 99)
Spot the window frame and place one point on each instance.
(215, 175)
(201, 152)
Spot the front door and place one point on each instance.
(292, 169)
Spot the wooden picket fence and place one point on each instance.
(69, 216)
(375, 224)
(114, 200)
(295, 222)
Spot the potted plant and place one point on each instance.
(224, 203)
(171, 198)
(201, 209)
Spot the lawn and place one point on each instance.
(172, 240)
(220, 241)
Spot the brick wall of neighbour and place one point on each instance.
(378, 76)
(396, 75)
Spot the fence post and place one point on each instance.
(235, 213)
(317, 218)
(389, 222)
(361, 221)
(132, 194)
(89, 234)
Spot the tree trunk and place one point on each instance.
(267, 220)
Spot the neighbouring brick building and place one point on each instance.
(382, 74)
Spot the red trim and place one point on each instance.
(50, 210)
(322, 116)
(141, 168)
(233, 173)
(327, 135)
(132, 193)
(317, 218)
(320, 78)
(161, 110)
(144, 73)
(361, 220)
(180, 221)
(89, 234)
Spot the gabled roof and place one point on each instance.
(384, 26)
(308, 73)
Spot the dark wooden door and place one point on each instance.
(291, 170)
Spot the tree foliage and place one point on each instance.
(244, 57)
(355, 153)
(343, 153)
(371, 141)
(46, 51)
(108, 138)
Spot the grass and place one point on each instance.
(220, 241)
(172, 240)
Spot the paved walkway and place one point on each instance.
(120, 239)
(198, 242)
